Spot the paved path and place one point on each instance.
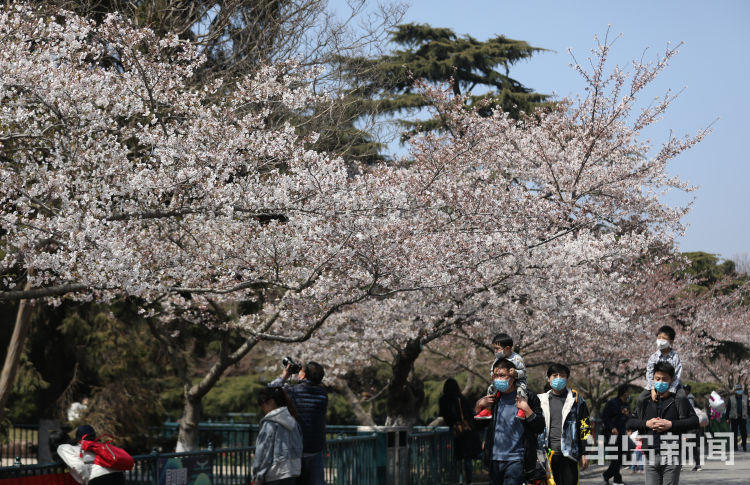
(713, 473)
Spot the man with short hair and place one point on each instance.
(736, 413)
(567, 426)
(310, 399)
(662, 421)
(510, 443)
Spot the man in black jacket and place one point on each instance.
(661, 422)
(510, 445)
(614, 417)
(310, 399)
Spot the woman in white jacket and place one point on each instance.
(278, 448)
(81, 463)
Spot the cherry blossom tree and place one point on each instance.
(119, 178)
(541, 217)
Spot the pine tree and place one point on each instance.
(476, 69)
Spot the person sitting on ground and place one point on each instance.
(278, 447)
(81, 463)
(502, 345)
(663, 421)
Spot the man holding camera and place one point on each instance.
(311, 400)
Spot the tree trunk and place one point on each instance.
(405, 391)
(15, 347)
(363, 417)
(469, 384)
(187, 437)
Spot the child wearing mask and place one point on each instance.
(664, 353)
(502, 345)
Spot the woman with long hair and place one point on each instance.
(457, 412)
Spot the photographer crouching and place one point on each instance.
(310, 399)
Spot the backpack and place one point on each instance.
(107, 454)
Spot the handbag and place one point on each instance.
(463, 425)
(107, 454)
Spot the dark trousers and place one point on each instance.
(114, 478)
(613, 471)
(506, 472)
(468, 469)
(312, 470)
(564, 470)
(695, 457)
(740, 426)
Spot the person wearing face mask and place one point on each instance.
(662, 422)
(736, 414)
(664, 353)
(502, 345)
(567, 427)
(510, 443)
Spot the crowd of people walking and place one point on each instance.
(546, 438)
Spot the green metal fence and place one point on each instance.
(21, 442)
(351, 460)
(431, 458)
(374, 457)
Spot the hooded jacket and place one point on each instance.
(575, 424)
(278, 448)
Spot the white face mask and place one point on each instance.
(662, 344)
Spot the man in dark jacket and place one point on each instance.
(510, 445)
(661, 422)
(310, 399)
(614, 418)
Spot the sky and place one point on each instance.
(713, 68)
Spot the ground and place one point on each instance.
(713, 473)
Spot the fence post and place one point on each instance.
(154, 466)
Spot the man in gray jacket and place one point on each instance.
(737, 415)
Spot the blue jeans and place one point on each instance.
(506, 472)
(312, 470)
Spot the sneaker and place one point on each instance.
(606, 480)
(697, 468)
(617, 483)
(484, 414)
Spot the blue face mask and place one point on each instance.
(558, 383)
(661, 386)
(501, 384)
(739, 392)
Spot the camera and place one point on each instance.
(294, 367)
